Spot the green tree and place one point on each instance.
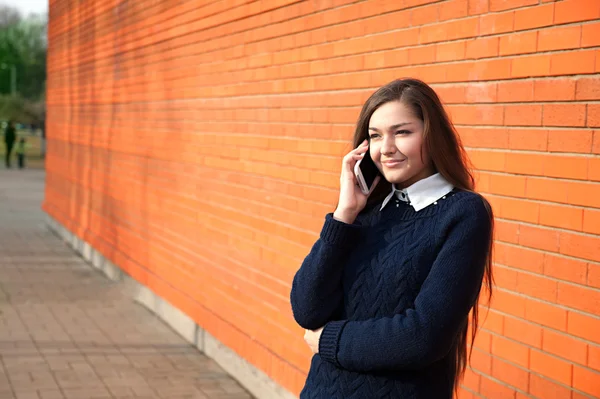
(23, 49)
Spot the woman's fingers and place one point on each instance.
(350, 159)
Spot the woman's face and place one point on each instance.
(396, 145)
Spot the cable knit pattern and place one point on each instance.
(392, 291)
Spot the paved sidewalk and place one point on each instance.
(68, 332)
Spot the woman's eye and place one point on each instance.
(373, 136)
(403, 132)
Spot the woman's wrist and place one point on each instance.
(344, 216)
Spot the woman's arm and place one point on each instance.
(316, 289)
(426, 333)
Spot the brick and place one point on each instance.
(542, 387)
(593, 115)
(464, 394)
(525, 163)
(515, 91)
(481, 92)
(565, 217)
(454, 94)
(513, 375)
(523, 331)
(588, 88)
(422, 55)
(463, 28)
(573, 167)
(523, 115)
(521, 258)
(471, 380)
(483, 340)
(505, 278)
(554, 90)
(477, 7)
(583, 193)
(579, 245)
(559, 38)
(584, 326)
(576, 11)
(492, 321)
(537, 286)
(516, 209)
(506, 231)
(562, 63)
(539, 238)
(591, 221)
(518, 43)
(546, 314)
(482, 47)
(579, 297)
(507, 185)
(551, 367)
(535, 65)
(594, 169)
(453, 51)
(564, 346)
(528, 139)
(390, 59)
(491, 388)
(424, 15)
(590, 35)
(502, 5)
(579, 141)
(565, 268)
(510, 350)
(481, 361)
(593, 358)
(596, 142)
(534, 17)
(577, 395)
(586, 380)
(491, 24)
(477, 114)
(572, 115)
(485, 160)
(454, 9)
(491, 69)
(484, 137)
(509, 303)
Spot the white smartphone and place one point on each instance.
(366, 171)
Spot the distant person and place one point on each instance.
(20, 151)
(43, 141)
(10, 136)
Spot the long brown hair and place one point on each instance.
(449, 158)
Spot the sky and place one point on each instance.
(28, 6)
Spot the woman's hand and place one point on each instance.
(312, 338)
(351, 200)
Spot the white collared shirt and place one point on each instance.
(422, 193)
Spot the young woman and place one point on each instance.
(386, 291)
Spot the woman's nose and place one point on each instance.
(389, 146)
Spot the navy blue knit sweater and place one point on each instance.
(392, 290)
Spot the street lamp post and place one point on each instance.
(13, 77)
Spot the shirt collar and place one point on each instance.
(422, 193)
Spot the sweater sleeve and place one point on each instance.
(426, 332)
(316, 290)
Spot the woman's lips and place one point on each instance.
(392, 163)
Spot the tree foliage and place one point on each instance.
(23, 43)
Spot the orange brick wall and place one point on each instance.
(197, 145)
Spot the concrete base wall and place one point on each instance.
(253, 379)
